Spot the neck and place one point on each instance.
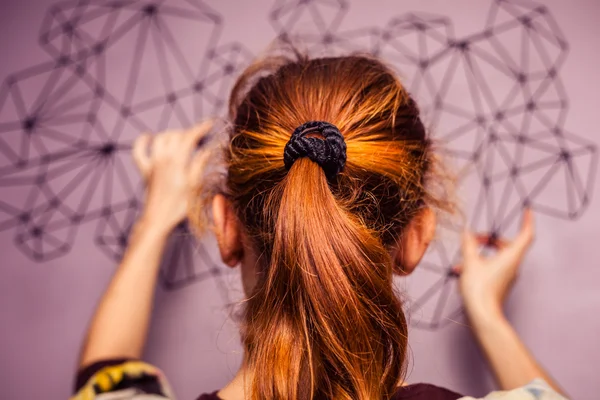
(239, 387)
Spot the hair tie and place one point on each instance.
(329, 153)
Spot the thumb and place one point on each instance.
(524, 238)
(198, 132)
(527, 231)
(140, 154)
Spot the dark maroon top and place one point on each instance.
(417, 391)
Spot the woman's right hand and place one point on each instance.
(484, 284)
(485, 281)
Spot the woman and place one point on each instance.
(330, 190)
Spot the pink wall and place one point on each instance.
(77, 190)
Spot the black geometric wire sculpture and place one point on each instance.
(494, 99)
(509, 143)
(67, 126)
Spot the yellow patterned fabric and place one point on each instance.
(122, 382)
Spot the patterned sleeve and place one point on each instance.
(537, 389)
(126, 380)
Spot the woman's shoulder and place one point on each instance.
(209, 396)
(537, 389)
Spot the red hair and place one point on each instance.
(323, 320)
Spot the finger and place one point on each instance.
(140, 153)
(527, 232)
(456, 269)
(195, 135)
(162, 145)
(491, 240)
(469, 245)
(516, 250)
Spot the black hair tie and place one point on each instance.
(329, 153)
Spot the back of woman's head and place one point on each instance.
(323, 320)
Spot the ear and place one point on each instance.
(227, 230)
(414, 241)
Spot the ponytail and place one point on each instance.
(324, 320)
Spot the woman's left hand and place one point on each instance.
(170, 173)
